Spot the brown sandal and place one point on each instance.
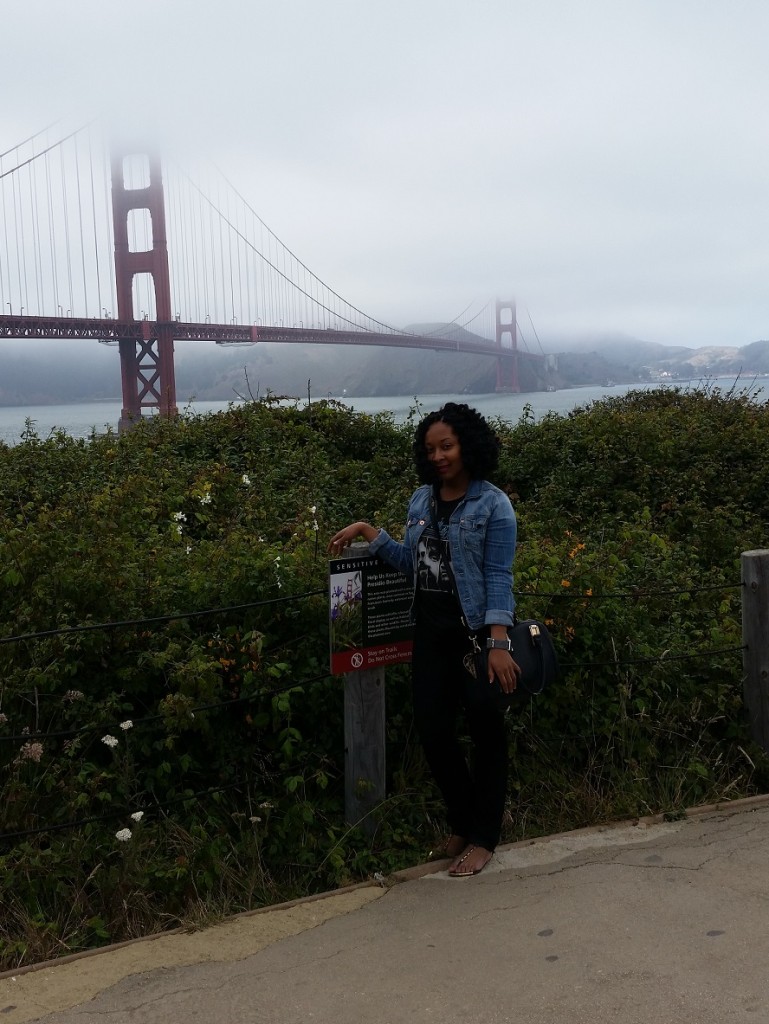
(453, 847)
(458, 871)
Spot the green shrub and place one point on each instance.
(222, 734)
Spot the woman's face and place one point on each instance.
(444, 453)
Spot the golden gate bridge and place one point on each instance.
(100, 242)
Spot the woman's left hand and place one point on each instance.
(504, 669)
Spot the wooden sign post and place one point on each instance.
(369, 628)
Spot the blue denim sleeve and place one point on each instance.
(498, 556)
(393, 552)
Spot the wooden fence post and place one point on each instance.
(755, 637)
(364, 736)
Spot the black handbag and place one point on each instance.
(533, 651)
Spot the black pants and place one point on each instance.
(474, 793)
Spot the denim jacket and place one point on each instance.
(482, 534)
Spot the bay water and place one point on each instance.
(83, 419)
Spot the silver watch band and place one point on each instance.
(499, 645)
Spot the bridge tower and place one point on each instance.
(507, 341)
(147, 366)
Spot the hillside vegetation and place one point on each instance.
(188, 761)
(36, 372)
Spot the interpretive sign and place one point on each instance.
(369, 614)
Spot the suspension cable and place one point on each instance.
(47, 149)
(284, 276)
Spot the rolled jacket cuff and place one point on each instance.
(381, 539)
(499, 617)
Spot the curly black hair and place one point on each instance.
(480, 445)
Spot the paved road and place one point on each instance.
(644, 923)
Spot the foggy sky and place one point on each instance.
(605, 163)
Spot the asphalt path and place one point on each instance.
(644, 922)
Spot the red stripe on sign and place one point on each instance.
(370, 657)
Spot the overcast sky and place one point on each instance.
(603, 162)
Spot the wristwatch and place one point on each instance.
(498, 645)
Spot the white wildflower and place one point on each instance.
(246, 480)
(188, 549)
(30, 752)
(128, 724)
(179, 530)
(109, 741)
(137, 815)
(254, 819)
(3, 718)
(71, 696)
(205, 499)
(124, 834)
(179, 517)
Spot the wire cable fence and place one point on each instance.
(157, 809)
(155, 619)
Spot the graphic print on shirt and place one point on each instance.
(432, 558)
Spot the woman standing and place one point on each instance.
(467, 525)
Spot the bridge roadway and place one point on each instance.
(74, 328)
(644, 922)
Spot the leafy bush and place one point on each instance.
(198, 741)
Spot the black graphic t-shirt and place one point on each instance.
(437, 607)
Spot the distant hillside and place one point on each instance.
(44, 372)
(649, 359)
(623, 347)
(34, 373)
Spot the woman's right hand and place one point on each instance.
(345, 537)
